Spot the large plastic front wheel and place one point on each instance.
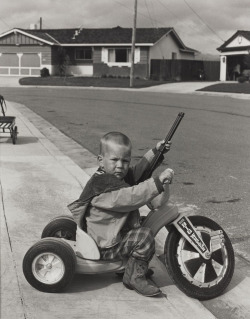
(49, 265)
(195, 276)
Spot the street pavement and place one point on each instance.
(38, 180)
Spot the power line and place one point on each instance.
(202, 20)
(179, 19)
(168, 9)
(5, 22)
(149, 13)
(139, 13)
(159, 47)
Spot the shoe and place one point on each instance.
(148, 275)
(134, 278)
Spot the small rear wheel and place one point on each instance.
(195, 276)
(49, 265)
(61, 227)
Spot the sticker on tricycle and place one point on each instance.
(188, 229)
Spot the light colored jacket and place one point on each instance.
(109, 214)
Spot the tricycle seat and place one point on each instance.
(86, 247)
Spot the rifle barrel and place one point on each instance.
(169, 136)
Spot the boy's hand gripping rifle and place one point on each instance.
(147, 174)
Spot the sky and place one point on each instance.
(203, 25)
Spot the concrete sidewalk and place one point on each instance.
(37, 183)
(179, 87)
(191, 88)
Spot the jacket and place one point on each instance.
(108, 207)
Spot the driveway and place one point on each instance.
(9, 81)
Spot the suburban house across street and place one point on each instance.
(91, 52)
(235, 52)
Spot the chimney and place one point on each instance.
(41, 23)
(33, 26)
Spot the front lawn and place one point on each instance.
(228, 88)
(87, 81)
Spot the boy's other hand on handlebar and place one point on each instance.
(166, 176)
(166, 148)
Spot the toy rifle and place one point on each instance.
(147, 174)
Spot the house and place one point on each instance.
(90, 52)
(235, 51)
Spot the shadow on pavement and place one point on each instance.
(92, 282)
(26, 140)
(21, 140)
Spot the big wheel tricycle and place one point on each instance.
(198, 254)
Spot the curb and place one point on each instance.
(161, 88)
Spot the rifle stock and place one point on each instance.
(168, 138)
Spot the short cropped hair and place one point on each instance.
(116, 137)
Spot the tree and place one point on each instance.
(63, 61)
(246, 61)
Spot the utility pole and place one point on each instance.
(41, 23)
(133, 47)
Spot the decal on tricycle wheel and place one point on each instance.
(188, 229)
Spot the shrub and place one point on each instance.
(154, 77)
(246, 73)
(44, 73)
(242, 79)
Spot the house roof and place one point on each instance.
(243, 33)
(111, 35)
(108, 36)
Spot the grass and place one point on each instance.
(88, 82)
(124, 83)
(228, 88)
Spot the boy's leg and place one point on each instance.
(137, 242)
(140, 246)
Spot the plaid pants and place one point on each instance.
(138, 243)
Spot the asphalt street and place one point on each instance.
(210, 155)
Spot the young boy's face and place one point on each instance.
(115, 159)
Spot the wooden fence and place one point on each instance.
(184, 70)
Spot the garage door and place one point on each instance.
(20, 64)
(9, 64)
(30, 64)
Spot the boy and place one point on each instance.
(108, 208)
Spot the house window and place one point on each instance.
(119, 55)
(84, 54)
(174, 55)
